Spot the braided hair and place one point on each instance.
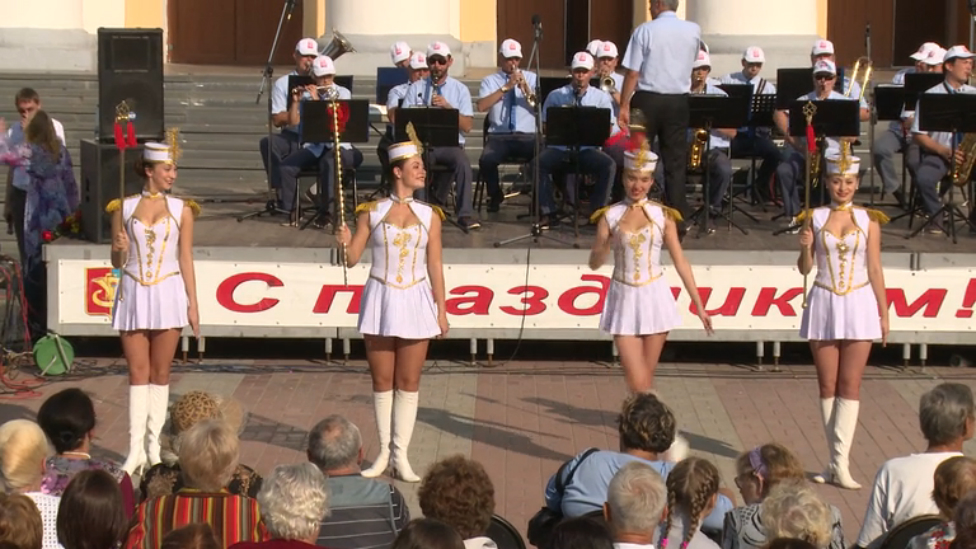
(691, 486)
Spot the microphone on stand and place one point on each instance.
(291, 7)
(537, 26)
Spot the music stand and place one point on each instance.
(955, 113)
(889, 105)
(315, 126)
(736, 90)
(917, 83)
(792, 83)
(435, 127)
(834, 118)
(715, 112)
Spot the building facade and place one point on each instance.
(60, 34)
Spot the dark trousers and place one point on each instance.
(928, 178)
(667, 118)
(754, 144)
(593, 162)
(34, 276)
(458, 170)
(498, 149)
(382, 150)
(305, 159)
(283, 145)
(719, 176)
(792, 176)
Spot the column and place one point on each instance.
(45, 35)
(373, 26)
(784, 30)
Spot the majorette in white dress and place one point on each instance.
(398, 300)
(639, 300)
(841, 304)
(151, 294)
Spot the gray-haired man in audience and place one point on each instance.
(366, 513)
(635, 505)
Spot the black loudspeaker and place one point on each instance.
(130, 69)
(100, 185)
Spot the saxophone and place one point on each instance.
(700, 139)
(962, 172)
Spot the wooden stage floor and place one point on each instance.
(217, 226)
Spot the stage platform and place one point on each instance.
(257, 278)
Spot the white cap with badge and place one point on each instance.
(607, 49)
(582, 60)
(923, 51)
(399, 52)
(323, 66)
(825, 66)
(510, 48)
(307, 46)
(754, 54)
(418, 61)
(958, 52)
(822, 47)
(594, 46)
(703, 60)
(935, 56)
(438, 48)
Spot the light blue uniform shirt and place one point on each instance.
(717, 140)
(319, 148)
(592, 97)
(396, 95)
(419, 94)
(899, 79)
(279, 98)
(587, 492)
(499, 113)
(663, 51)
(833, 144)
(943, 138)
(739, 78)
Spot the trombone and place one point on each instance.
(868, 66)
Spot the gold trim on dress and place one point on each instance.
(838, 284)
(833, 291)
(397, 286)
(150, 283)
(637, 284)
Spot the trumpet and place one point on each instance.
(607, 84)
(529, 94)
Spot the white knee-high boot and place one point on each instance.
(404, 418)
(138, 417)
(158, 405)
(827, 415)
(845, 423)
(383, 409)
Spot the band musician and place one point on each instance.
(937, 147)
(402, 57)
(898, 136)
(823, 50)
(592, 161)
(319, 155)
(416, 67)
(285, 143)
(444, 92)
(505, 96)
(718, 163)
(793, 169)
(750, 141)
(606, 68)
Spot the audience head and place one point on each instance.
(789, 543)
(580, 533)
(20, 522)
(67, 418)
(646, 424)
(192, 408)
(762, 468)
(194, 536)
(954, 478)
(793, 510)
(28, 102)
(209, 454)
(335, 445)
(458, 491)
(428, 533)
(92, 513)
(635, 501)
(294, 499)
(964, 519)
(23, 451)
(692, 492)
(40, 131)
(946, 415)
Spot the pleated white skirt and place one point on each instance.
(407, 313)
(158, 307)
(829, 316)
(639, 310)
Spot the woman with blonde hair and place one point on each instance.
(793, 510)
(23, 450)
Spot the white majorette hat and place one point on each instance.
(163, 153)
(840, 163)
(406, 149)
(640, 160)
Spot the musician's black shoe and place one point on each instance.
(494, 204)
(900, 198)
(468, 223)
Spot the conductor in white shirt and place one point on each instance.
(659, 61)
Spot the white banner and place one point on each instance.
(739, 297)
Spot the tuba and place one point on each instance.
(338, 46)
(961, 173)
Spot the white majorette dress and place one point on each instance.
(841, 304)
(397, 300)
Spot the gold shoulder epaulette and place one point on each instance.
(597, 215)
(439, 211)
(877, 215)
(669, 212)
(802, 217)
(366, 207)
(194, 207)
(113, 206)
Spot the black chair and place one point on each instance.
(504, 534)
(900, 536)
(480, 186)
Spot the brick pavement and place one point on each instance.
(523, 419)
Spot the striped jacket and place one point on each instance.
(233, 518)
